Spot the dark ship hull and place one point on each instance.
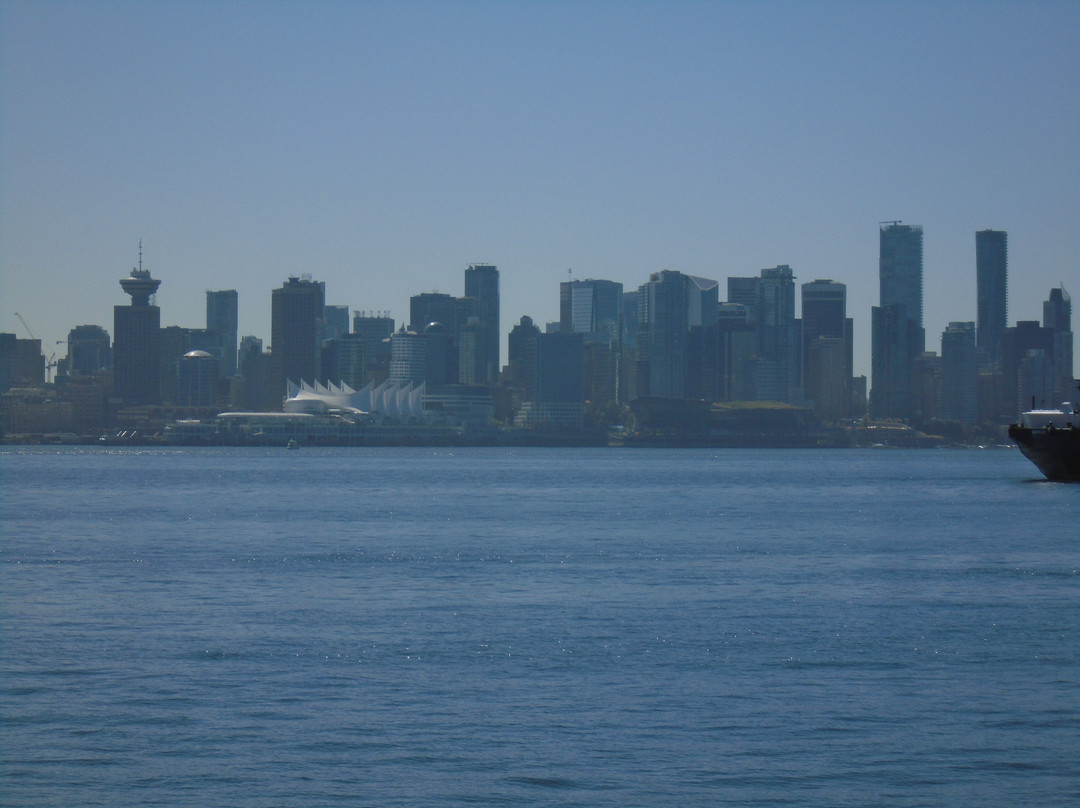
(1055, 451)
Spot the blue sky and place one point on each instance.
(382, 147)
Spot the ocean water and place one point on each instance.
(408, 627)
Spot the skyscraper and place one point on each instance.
(824, 317)
(522, 357)
(959, 391)
(669, 306)
(736, 351)
(744, 291)
(472, 352)
(991, 276)
(256, 392)
(88, 350)
(1027, 352)
(443, 357)
(221, 316)
(21, 362)
(900, 269)
(136, 340)
(197, 376)
(408, 357)
(824, 310)
(559, 372)
(590, 306)
(482, 284)
(176, 342)
(375, 329)
(778, 349)
(593, 308)
(558, 398)
(897, 336)
(459, 317)
(343, 361)
(438, 307)
(1057, 316)
(663, 324)
(335, 321)
(296, 312)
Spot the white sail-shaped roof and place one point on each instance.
(391, 399)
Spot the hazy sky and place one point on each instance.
(384, 146)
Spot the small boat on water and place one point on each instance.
(292, 444)
(1051, 440)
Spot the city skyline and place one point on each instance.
(672, 347)
(364, 146)
(430, 307)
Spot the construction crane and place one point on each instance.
(24, 325)
(51, 363)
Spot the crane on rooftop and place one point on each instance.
(51, 362)
(24, 325)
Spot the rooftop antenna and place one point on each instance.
(570, 274)
(139, 284)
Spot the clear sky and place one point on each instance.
(384, 146)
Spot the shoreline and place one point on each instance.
(508, 441)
